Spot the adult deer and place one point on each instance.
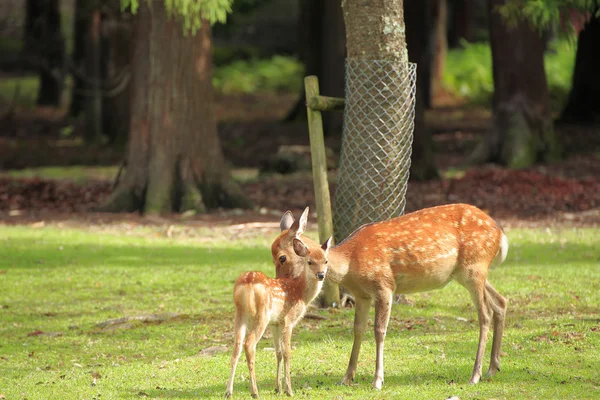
(279, 303)
(416, 252)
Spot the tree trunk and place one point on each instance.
(322, 48)
(461, 22)
(419, 18)
(521, 132)
(375, 154)
(80, 31)
(440, 46)
(45, 48)
(583, 106)
(116, 76)
(175, 161)
(331, 65)
(93, 80)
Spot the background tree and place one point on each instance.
(174, 159)
(439, 47)
(322, 50)
(44, 48)
(583, 106)
(521, 133)
(581, 17)
(420, 36)
(82, 11)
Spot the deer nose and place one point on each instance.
(320, 275)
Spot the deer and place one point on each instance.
(416, 252)
(279, 303)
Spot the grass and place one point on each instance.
(64, 281)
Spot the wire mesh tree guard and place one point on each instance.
(376, 143)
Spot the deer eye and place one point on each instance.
(309, 262)
(326, 261)
(282, 259)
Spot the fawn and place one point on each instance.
(416, 252)
(280, 303)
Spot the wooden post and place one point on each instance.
(331, 291)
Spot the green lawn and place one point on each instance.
(57, 284)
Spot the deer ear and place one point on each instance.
(327, 245)
(286, 221)
(303, 220)
(300, 248)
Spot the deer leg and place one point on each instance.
(361, 317)
(276, 331)
(477, 290)
(287, 338)
(257, 331)
(383, 308)
(240, 332)
(498, 303)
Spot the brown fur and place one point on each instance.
(261, 301)
(420, 251)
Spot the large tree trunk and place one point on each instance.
(374, 159)
(583, 106)
(175, 161)
(521, 133)
(322, 49)
(45, 48)
(419, 18)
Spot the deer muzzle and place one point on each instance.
(320, 275)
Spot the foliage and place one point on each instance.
(279, 73)
(468, 71)
(60, 282)
(545, 14)
(21, 90)
(192, 12)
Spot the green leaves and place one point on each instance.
(191, 12)
(543, 14)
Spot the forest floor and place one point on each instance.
(566, 192)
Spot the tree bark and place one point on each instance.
(332, 58)
(583, 106)
(174, 161)
(93, 80)
(322, 49)
(45, 48)
(419, 26)
(461, 22)
(80, 31)
(440, 46)
(375, 154)
(116, 76)
(521, 133)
